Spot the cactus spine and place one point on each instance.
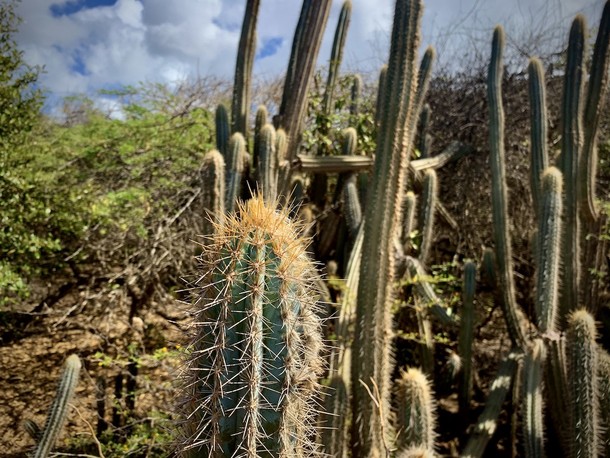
(59, 407)
(256, 355)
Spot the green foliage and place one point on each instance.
(106, 181)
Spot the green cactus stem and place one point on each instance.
(409, 205)
(415, 412)
(539, 159)
(255, 360)
(499, 193)
(351, 207)
(355, 95)
(548, 250)
(381, 88)
(213, 190)
(466, 335)
(488, 420)
(428, 206)
(222, 129)
(336, 55)
(266, 168)
(424, 139)
(59, 408)
(581, 358)
(533, 420)
(572, 137)
(234, 168)
(246, 50)
(597, 89)
(305, 47)
(604, 398)
(372, 364)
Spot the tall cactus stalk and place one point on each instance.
(373, 361)
(572, 136)
(234, 168)
(59, 408)
(499, 192)
(466, 335)
(581, 356)
(305, 47)
(539, 159)
(256, 357)
(416, 417)
(429, 201)
(266, 168)
(548, 252)
(533, 420)
(240, 108)
(336, 55)
(213, 190)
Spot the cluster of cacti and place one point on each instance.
(256, 355)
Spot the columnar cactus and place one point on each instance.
(539, 159)
(59, 408)
(255, 358)
(246, 51)
(234, 168)
(223, 131)
(416, 417)
(532, 404)
(266, 167)
(466, 335)
(213, 190)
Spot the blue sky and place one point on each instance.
(86, 45)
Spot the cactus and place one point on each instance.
(581, 356)
(604, 398)
(351, 206)
(373, 363)
(424, 139)
(408, 220)
(539, 159)
(256, 355)
(336, 55)
(213, 190)
(466, 335)
(240, 107)
(59, 408)
(547, 253)
(266, 168)
(415, 414)
(429, 201)
(533, 424)
(499, 193)
(234, 167)
(305, 47)
(572, 136)
(222, 129)
(354, 107)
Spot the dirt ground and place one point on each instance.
(34, 347)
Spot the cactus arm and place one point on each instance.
(533, 422)
(213, 186)
(336, 55)
(548, 250)
(570, 156)
(416, 411)
(539, 159)
(581, 357)
(488, 420)
(59, 407)
(222, 129)
(355, 95)
(423, 143)
(409, 204)
(381, 88)
(466, 335)
(596, 94)
(499, 192)
(234, 168)
(305, 48)
(266, 168)
(429, 201)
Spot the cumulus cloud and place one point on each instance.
(86, 45)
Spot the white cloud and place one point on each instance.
(161, 40)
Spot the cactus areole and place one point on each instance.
(255, 359)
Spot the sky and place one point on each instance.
(87, 45)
